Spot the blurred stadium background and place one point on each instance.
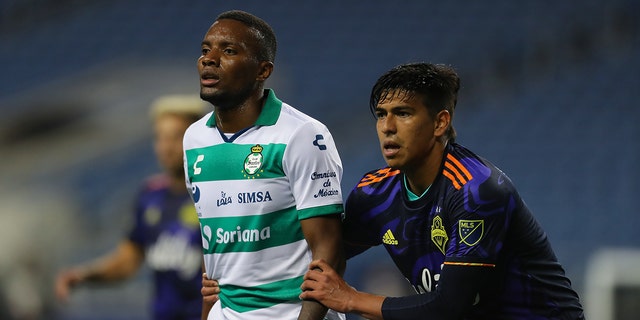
(549, 93)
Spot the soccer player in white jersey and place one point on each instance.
(265, 180)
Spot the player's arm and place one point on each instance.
(120, 264)
(210, 290)
(324, 236)
(322, 283)
(453, 297)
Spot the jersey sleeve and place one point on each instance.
(453, 298)
(313, 166)
(364, 206)
(480, 215)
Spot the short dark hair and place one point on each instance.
(267, 44)
(437, 84)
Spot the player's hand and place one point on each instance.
(65, 281)
(323, 284)
(210, 290)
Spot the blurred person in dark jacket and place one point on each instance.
(165, 232)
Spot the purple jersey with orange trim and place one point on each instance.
(166, 226)
(472, 216)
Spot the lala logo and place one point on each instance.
(224, 199)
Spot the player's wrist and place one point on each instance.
(353, 302)
(365, 304)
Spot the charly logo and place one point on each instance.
(197, 170)
(253, 162)
(439, 234)
(317, 142)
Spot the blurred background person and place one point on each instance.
(165, 229)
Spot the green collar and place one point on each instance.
(269, 114)
(412, 196)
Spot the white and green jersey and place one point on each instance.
(251, 190)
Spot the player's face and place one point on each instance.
(406, 132)
(228, 66)
(168, 132)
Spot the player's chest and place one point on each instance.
(168, 215)
(234, 161)
(419, 231)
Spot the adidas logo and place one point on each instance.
(389, 239)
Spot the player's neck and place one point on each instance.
(177, 185)
(421, 177)
(243, 115)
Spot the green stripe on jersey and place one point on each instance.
(251, 233)
(243, 299)
(230, 161)
(320, 211)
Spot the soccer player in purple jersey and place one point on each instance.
(165, 232)
(453, 223)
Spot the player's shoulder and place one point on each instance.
(200, 124)
(464, 163)
(462, 166)
(294, 117)
(154, 183)
(375, 187)
(376, 177)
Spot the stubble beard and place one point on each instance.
(225, 101)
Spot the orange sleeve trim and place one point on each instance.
(469, 264)
(460, 166)
(452, 178)
(377, 176)
(456, 172)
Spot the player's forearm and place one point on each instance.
(208, 297)
(333, 257)
(106, 271)
(206, 308)
(367, 305)
(120, 264)
(453, 298)
(312, 310)
(324, 236)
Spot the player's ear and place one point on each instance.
(442, 122)
(264, 72)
